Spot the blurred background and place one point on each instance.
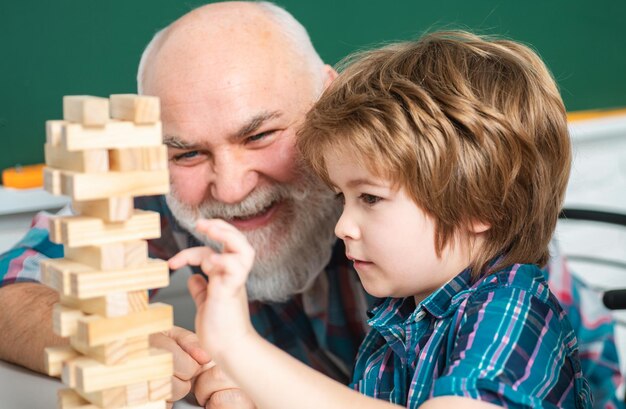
(65, 47)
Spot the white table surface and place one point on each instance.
(24, 389)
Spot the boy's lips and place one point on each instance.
(357, 261)
(257, 220)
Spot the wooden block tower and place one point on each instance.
(102, 154)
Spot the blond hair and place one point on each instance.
(473, 128)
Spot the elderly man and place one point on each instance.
(235, 80)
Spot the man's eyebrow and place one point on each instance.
(177, 143)
(255, 123)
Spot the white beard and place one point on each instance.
(293, 249)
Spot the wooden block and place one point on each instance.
(160, 389)
(72, 279)
(112, 209)
(108, 398)
(115, 352)
(86, 110)
(54, 132)
(114, 135)
(141, 109)
(111, 305)
(112, 256)
(69, 372)
(92, 376)
(134, 159)
(137, 393)
(65, 320)
(92, 160)
(70, 399)
(91, 186)
(55, 273)
(52, 181)
(55, 356)
(79, 231)
(154, 274)
(94, 330)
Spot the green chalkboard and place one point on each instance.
(63, 47)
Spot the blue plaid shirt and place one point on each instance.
(504, 339)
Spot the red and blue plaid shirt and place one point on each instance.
(504, 339)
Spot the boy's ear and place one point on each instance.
(477, 227)
(330, 74)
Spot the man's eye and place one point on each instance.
(259, 136)
(369, 199)
(186, 155)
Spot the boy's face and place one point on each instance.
(389, 238)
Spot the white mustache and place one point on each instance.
(256, 202)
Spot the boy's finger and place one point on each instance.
(237, 271)
(197, 288)
(233, 240)
(193, 257)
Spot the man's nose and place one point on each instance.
(234, 178)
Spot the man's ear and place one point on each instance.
(329, 74)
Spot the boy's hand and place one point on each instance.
(222, 305)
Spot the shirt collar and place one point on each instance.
(442, 302)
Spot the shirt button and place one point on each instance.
(420, 316)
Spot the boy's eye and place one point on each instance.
(369, 199)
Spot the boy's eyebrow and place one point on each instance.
(358, 182)
(255, 123)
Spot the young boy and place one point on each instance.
(451, 156)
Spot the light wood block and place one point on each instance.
(137, 159)
(70, 399)
(72, 279)
(114, 135)
(141, 109)
(112, 209)
(115, 352)
(52, 181)
(69, 372)
(55, 356)
(92, 376)
(92, 186)
(54, 132)
(56, 273)
(94, 330)
(137, 393)
(111, 305)
(160, 389)
(108, 398)
(79, 231)
(154, 274)
(92, 160)
(65, 320)
(112, 256)
(86, 110)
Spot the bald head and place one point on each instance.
(233, 32)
